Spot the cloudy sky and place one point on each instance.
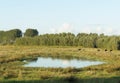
(56, 16)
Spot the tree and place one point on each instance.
(15, 33)
(8, 37)
(31, 33)
(1, 36)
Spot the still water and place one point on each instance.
(62, 63)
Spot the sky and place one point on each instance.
(57, 16)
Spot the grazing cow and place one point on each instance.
(98, 50)
(79, 49)
(106, 50)
(111, 50)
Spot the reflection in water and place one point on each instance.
(66, 62)
(63, 63)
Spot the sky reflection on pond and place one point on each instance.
(63, 63)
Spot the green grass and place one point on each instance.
(12, 70)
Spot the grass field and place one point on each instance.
(12, 70)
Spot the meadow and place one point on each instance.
(13, 71)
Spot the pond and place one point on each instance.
(61, 63)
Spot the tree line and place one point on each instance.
(31, 37)
(9, 37)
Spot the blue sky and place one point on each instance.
(55, 16)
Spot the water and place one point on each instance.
(62, 63)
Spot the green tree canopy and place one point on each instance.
(7, 37)
(31, 33)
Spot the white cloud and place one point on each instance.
(52, 30)
(86, 30)
(106, 29)
(99, 29)
(66, 27)
(109, 31)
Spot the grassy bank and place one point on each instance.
(11, 64)
(94, 80)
